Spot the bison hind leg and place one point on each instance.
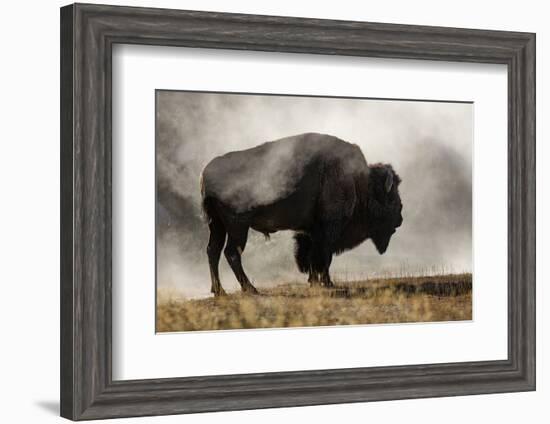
(236, 242)
(216, 242)
(213, 250)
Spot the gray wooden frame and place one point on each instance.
(88, 33)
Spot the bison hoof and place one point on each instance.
(219, 292)
(250, 289)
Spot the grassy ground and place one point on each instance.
(407, 299)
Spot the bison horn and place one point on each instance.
(389, 181)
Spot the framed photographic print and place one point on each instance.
(264, 211)
(306, 199)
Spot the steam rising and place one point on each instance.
(257, 185)
(429, 145)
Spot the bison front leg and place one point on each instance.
(320, 264)
(303, 253)
(325, 275)
(233, 251)
(313, 256)
(314, 278)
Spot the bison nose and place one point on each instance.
(399, 221)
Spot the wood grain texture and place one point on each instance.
(66, 212)
(88, 33)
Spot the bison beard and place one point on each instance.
(316, 185)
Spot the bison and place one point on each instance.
(316, 185)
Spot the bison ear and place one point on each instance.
(389, 181)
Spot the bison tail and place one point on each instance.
(205, 202)
(302, 252)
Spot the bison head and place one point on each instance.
(383, 205)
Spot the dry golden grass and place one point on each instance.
(376, 301)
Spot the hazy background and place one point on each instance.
(428, 143)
